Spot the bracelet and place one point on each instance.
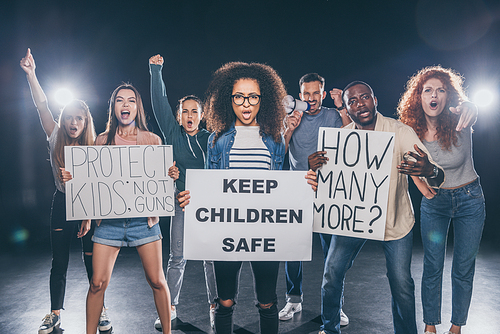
(435, 172)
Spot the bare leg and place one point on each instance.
(430, 328)
(151, 257)
(226, 302)
(455, 329)
(103, 262)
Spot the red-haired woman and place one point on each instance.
(435, 106)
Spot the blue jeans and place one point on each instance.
(177, 263)
(126, 232)
(341, 255)
(465, 206)
(293, 273)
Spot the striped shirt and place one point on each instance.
(248, 150)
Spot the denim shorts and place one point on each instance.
(129, 232)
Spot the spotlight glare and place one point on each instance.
(484, 98)
(63, 96)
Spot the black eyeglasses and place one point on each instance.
(239, 99)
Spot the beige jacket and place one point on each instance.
(400, 218)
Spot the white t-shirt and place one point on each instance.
(248, 150)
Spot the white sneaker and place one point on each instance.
(173, 315)
(344, 319)
(104, 322)
(290, 308)
(158, 325)
(50, 321)
(212, 317)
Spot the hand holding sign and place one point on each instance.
(183, 198)
(317, 159)
(312, 179)
(65, 175)
(173, 172)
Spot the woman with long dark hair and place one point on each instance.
(127, 126)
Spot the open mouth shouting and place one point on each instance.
(125, 114)
(73, 130)
(313, 107)
(247, 114)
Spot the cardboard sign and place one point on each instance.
(119, 181)
(248, 215)
(353, 186)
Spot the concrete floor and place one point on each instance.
(24, 292)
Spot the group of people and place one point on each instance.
(249, 129)
(433, 144)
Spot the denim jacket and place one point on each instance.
(218, 155)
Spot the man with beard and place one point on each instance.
(361, 105)
(301, 137)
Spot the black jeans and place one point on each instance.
(265, 275)
(61, 234)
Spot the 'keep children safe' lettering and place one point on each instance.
(248, 215)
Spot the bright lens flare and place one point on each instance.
(63, 96)
(484, 98)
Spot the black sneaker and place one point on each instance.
(50, 321)
(104, 322)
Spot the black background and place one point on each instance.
(93, 46)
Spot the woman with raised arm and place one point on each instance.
(127, 126)
(189, 143)
(75, 127)
(435, 106)
(245, 113)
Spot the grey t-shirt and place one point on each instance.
(457, 162)
(304, 141)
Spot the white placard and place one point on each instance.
(353, 186)
(248, 215)
(118, 181)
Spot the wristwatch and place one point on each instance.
(342, 107)
(435, 172)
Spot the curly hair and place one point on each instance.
(112, 124)
(410, 109)
(218, 104)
